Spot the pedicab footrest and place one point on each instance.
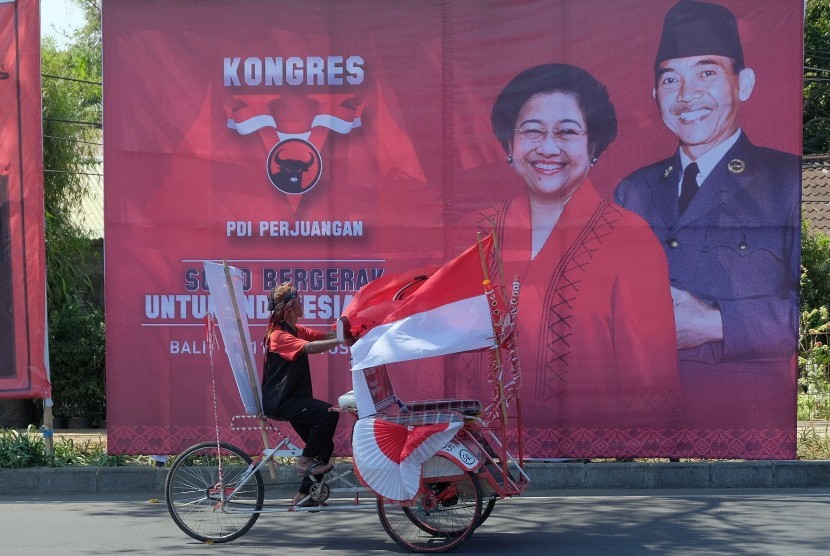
(468, 408)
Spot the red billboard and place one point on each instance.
(327, 143)
(23, 371)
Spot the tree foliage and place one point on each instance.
(76, 343)
(814, 326)
(817, 77)
(814, 329)
(72, 98)
(815, 265)
(72, 149)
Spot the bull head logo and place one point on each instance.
(294, 166)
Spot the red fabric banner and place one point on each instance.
(328, 143)
(22, 258)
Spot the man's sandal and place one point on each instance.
(319, 468)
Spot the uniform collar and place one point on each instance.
(708, 160)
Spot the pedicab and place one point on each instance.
(433, 469)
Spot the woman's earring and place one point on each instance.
(594, 161)
(510, 159)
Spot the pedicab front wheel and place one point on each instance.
(446, 510)
(202, 501)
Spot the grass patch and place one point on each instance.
(814, 442)
(19, 449)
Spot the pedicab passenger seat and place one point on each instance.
(375, 382)
(423, 418)
(467, 408)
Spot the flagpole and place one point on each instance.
(497, 351)
(516, 366)
(496, 251)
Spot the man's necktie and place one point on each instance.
(689, 187)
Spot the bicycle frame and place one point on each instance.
(285, 448)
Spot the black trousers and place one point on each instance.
(315, 424)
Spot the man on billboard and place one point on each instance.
(727, 214)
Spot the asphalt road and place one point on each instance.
(778, 521)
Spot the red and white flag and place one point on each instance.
(430, 311)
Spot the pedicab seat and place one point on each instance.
(468, 408)
(422, 418)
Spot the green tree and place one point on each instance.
(814, 326)
(72, 149)
(817, 77)
(815, 263)
(71, 154)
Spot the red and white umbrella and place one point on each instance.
(389, 451)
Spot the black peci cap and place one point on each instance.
(693, 28)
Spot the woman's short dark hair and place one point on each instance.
(591, 97)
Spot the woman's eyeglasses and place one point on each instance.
(537, 135)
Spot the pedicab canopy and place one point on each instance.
(340, 144)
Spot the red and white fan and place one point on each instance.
(389, 451)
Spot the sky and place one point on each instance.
(57, 16)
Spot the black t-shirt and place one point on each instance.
(284, 378)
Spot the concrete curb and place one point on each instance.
(545, 477)
(82, 480)
(673, 475)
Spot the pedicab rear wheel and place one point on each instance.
(486, 510)
(446, 510)
(201, 504)
(431, 466)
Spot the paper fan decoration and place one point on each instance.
(389, 454)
